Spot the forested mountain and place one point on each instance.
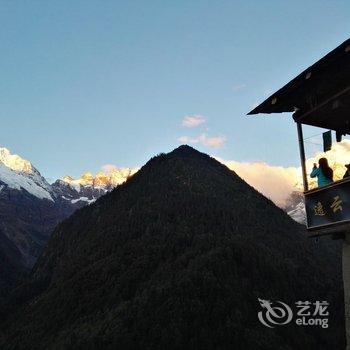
(12, 268)
(29, 211)
(175, 258)
(30, 208)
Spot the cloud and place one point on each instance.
(274, 182)
(337, 157)
(216, 141)
(192, 121)
(111, 169)
(277, 183)
(108, 168)
(239, 87)
(203, 139)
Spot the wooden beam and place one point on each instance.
(299, 119)
(302, 156)
(346, 285)
(335, 229)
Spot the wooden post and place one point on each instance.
(302, 156)
(346, 284)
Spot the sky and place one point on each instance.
(89, 83)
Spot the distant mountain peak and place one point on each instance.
(186, 150)
(112, 178)
(18, 173)
(15, 162)
(185, 241)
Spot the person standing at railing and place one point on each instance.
(323, 172)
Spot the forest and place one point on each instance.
(175, 258)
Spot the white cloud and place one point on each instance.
(111, 170)
(277, 182)
(239, 87)
(203, 139)
(337, 157)
(192, 121)
(216, 141)
(274, 182)
(187, 139)
(108, 168)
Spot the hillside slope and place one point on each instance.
(176, 258)
(30, 207)
(11, 266)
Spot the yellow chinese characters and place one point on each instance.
(337, 204)
(319, 211)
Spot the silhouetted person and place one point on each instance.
(323, 172)
(347, 173)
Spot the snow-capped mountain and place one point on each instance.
(295, 207)
(30, 207)
(111, 179)
(14, 162)
(18, 173)
(88, 187)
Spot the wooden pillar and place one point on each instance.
(346, 283)
(302, 156)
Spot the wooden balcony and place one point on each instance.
(328, 209)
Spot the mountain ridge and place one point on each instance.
(19, 173)
(176, 257)
(25, 196)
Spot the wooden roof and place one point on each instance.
(320, 95)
